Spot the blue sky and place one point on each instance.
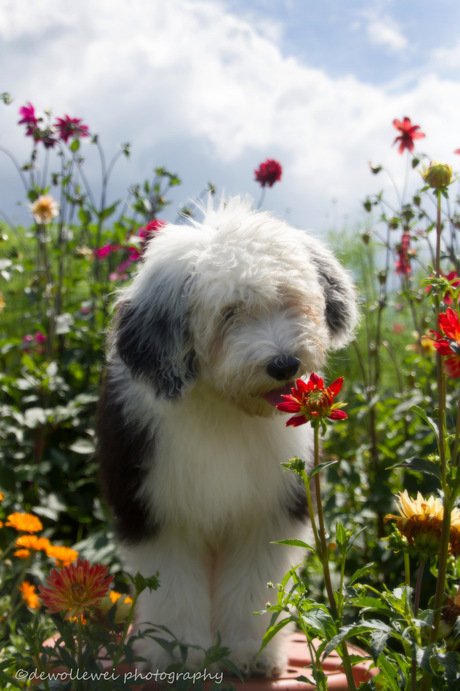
(210, 88)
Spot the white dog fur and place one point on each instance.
(220, 319)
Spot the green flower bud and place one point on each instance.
(438, 175)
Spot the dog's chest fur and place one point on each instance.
(217, 468)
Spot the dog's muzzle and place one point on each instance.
(283, 367)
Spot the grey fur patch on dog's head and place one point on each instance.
(153, 337)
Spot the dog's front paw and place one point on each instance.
(270, 663)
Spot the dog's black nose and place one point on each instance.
(283, 367)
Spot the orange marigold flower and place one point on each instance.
(32, 542)
(29, 595)
(63, 555)
(75, 588)
(26, 522)
(2, 496)
(420, 522)
(313, 401)
(22, 553)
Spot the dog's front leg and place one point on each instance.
(182, 603)
(248, 564)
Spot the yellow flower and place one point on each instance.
(420, 522)
(26, 522)
(29, 595)
(63, 555)
(44, 209)
(2, 307)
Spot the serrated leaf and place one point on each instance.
(360, 572)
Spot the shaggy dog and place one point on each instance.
(219, 321)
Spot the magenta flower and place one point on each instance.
(408, 134)
(28, 118)
(268, 173)
(104, 252)
(68, 128)
(150, 229)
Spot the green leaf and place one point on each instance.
(420, 465)
(421, 413)
(294, 543)
(272, 631)
(320, 467)
(360, 572)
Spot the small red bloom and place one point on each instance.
(402, 265)
(311, 401)
(457, 151)
(150, 229)
(68, 128)
(408, 134)
(268, 173)
(75, 588)
(449, 345)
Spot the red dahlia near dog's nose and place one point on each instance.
(312, 401)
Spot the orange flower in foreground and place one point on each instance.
(313, 401)
(63, 555)
(26, 522)
(29, 595)
(75, 588)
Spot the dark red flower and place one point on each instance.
(402, 265)
(312, 401)
(408, 134)
(449, 344)
(269, 172)
(70, 128)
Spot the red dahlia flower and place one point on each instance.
(408, 134)
(449, 344)
(75, 588)
(313, 401)
(68, 127)
(268, 173)
(454, 280)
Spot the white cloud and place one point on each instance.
(384, 31)
(189, 73)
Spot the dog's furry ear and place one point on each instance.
(341, 298)
(152, 336)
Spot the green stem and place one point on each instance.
(342, 649)
(448, 503)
